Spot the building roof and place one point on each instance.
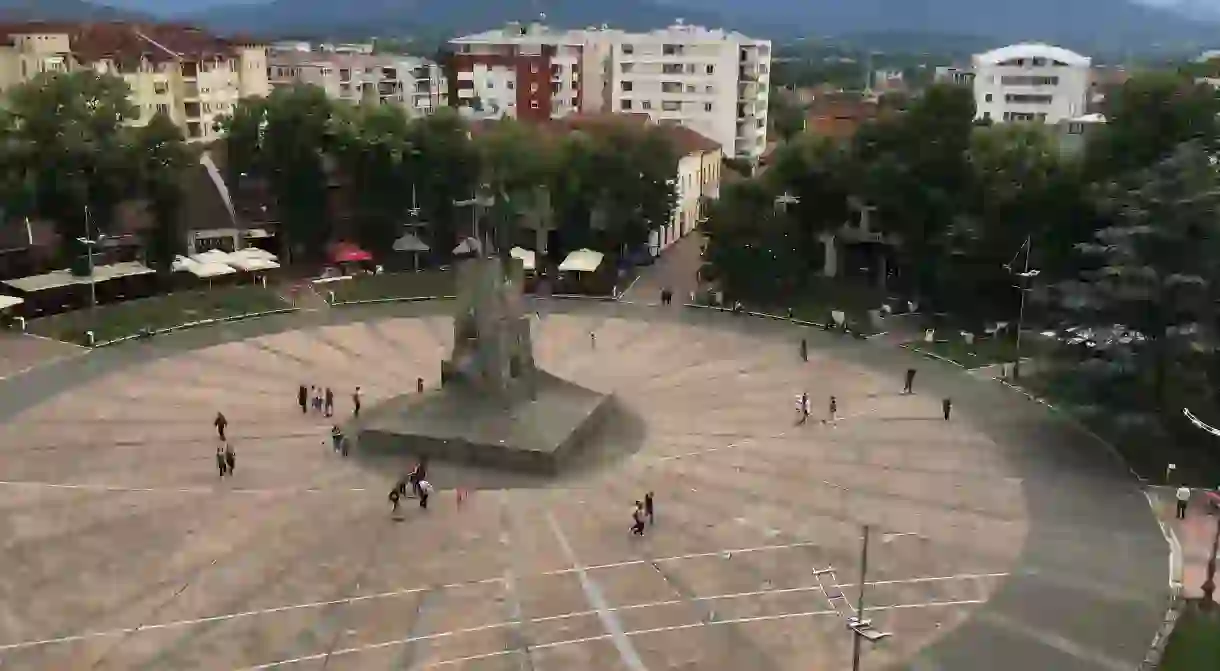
(131, 41)
(1031, 50)
(686, 140)
(528, 33)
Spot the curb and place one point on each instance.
(401, 299)
(763, 315)
(931, 355)
(189, 325)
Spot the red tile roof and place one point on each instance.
(132, 41)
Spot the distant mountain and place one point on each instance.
(62, 10)
(333, 18)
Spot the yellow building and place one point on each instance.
(183, 71)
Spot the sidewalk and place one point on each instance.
(677, 269)
(1194, 533)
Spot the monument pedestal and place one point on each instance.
(461, 424)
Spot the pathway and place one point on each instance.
(1194, 533)
(676, 269)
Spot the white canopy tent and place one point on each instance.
(252, 259)
(582, 261)
(10, 301)
(409, 242)
(201, 269)
(528, 259)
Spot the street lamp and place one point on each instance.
(90, 242)
(785, 199)
(1209, 584)
(1025, 276)
(861, 628)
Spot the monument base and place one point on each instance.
(465, 426)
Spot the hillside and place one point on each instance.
(61, 10)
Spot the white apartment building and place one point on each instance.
(711, 81)
(1031, 82)
(416, 84)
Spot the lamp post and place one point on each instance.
(90, 242)
(785, 199)
(1209, 584)
(1025, 276)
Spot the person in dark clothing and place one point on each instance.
(648, 509)
(947, 406)
(356, 402)
(303, 399)
(637, 519)
(804, 351)
(336, 437)
(221, 465)
(220, 422)
(419, 385)
(394, 498)
(329, 404)
(425, 490)
(230, 458)
(908, 388)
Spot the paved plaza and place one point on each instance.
(1004, 539)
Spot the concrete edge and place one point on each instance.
(399, 299)
(202, 322)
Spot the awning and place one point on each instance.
(347, 252)
(211, 256)
(64, 278)
(257, 253)
(409, 242)
(254, 233)
(252, 260)
(201, 269)
(527, 256)
(10, 301)
(468, 246)
(582, 261)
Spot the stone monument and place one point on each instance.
(495, 408)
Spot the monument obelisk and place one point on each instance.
(492, 350)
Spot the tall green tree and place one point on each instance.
(1147, 118)
(816, 171)
(447, 171)
(164, 159)
(1156, 267)
(70, 130)
(375, 155)
(751, 251)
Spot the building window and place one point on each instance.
(533, 104)
(987, 115)
(533, 87)
(646, 105)
(160, 88)
(671, 50)
(510, 85)
(162, 108)
(710, 89)
(671, 68)
(711, 69)
(707, 107)
(626, 85)
(987, 98)
(627, 67)
(628, 48)
(1028, 99)
(533, 68)
(625, 104)
(1076, 129)
(671, 105)
(671, 87)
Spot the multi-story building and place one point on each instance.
(1031, 82)
(711, 81)
(951, 74)
(181, 71)
(416, 84)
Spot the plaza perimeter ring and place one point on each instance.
(1005, 538)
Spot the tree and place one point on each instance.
(1147, 118)
(816, 171)
(1156, 272)
(375, 155)
(750, 250)
(786, 114)
(446, 172)
(68, 131)
(164, 157)
(913, 169)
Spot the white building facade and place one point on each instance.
(416, 84)
(1031, 82)
(711, 81)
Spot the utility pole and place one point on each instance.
(855, 640)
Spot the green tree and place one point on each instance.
(1156, 268)
(816, 172)
(69, 130)
(1148, 117)
(446, 171)
(750, 248)
(375, 155)
(914, 169)
(164, 158)
(786, 114)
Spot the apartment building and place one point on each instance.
(192, 76)
(1031, 82)
(711, 81)
(416, 84)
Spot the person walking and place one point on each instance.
(329, 404)
(648, 509)
(947, 406)
(220, 423)
(834, 408)
(425, 490)
(221, 465)
(1183, 501)
(303, 399)
(336, 437)
(317, 399)
(804, 351)
(356, 403)
(908, 388)
(802, 408)
(230, 458)
(395, 496)
(419, 384)
(592, 340)
(637, 519)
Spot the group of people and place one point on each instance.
(804, 408)
(418, 484)
(226, 459)
(322, 400)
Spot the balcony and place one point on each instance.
(388, 88)
(389, 73)
(190, 70)
(192, 110)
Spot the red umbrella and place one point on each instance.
(346, 252)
